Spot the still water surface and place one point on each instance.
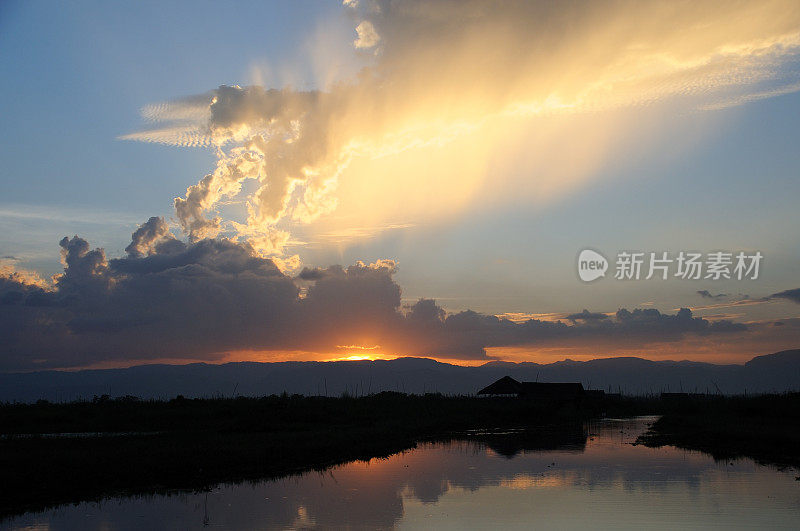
(600, 481)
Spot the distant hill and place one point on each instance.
(784, 358)
(775, 372)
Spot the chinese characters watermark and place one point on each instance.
(686, 265)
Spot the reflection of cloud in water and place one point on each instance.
(608, 480)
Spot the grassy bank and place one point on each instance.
(764, 428)
(280, 414)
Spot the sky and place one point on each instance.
(309, 180)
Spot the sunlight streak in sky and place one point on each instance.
(443, 91)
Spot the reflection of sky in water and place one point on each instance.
(462, 484)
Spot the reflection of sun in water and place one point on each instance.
(303, 520)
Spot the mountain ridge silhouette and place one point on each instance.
(777, 372)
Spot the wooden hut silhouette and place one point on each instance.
(508, 386)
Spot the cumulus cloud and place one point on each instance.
(443, 70)
(367, 36)
(186, 301)
(153, 237)
(199, 300)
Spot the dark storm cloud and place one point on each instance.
(467, 334)
(586, 315)
(643, 322)
(315, 273)
(790, 294)
(210, 296)
(168, 299)
(15, 291)
(708, 295)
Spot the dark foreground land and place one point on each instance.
(63, 453)
(764, 428)
(67, 453)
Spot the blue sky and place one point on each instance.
(78, 84)
(77, 74)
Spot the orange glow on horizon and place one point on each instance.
(504, 354)
(728, 349)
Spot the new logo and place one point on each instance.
(591, 265)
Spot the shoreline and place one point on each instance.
(200, 443)
(157, 447)
(765, 429)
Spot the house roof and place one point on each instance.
(504, 386)
(509, 386)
